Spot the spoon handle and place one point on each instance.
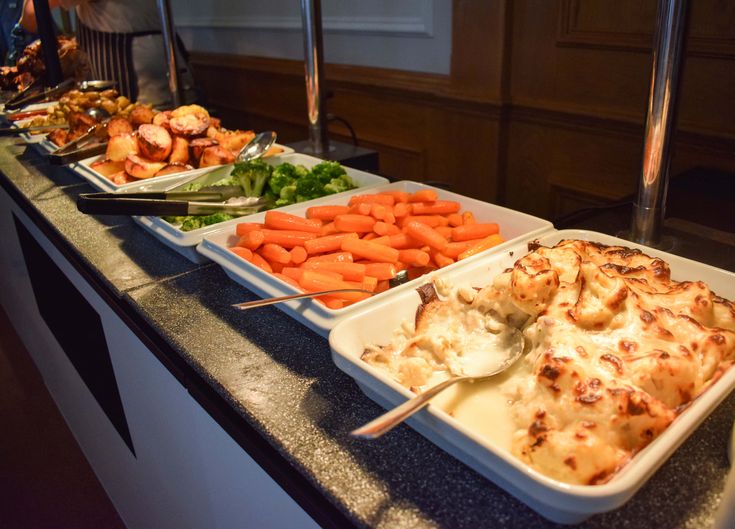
(271, 301)
(397, 415)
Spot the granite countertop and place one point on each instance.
(279, 379)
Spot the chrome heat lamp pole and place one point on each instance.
(167, 29)
(311, 17)
(649, 209)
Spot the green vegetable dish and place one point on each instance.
(283, 185)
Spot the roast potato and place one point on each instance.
(108, 167)
(189, 120)
(119, 126)
(198, 145)
(121, 178)
(118, 147)
(154, 142)
(234, 140)
(141, 168)
(162, 119)
(216, 155)
(141, 115)
(174, 168)
(179, 150)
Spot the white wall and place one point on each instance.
(406, 34)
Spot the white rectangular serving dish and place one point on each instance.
(83, 168)
(185, 242)
(313, 314)
(557, 501)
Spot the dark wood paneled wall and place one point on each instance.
(543, 108)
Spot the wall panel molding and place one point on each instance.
(419, 25)
(585, 24)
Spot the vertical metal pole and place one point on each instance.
(311, 17)
(45, 25)
(169, 40)
(649, 209)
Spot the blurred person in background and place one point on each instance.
(124, 43)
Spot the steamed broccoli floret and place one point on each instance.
(327, 171)
(339, 184)
(287, 195)
(193, 222)
(309, 186)
(283, 175)
(252, 176)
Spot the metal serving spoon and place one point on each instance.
(477, 365)
(400, 278)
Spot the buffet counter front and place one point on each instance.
(196, 415)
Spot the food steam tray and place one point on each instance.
(185, 242)
(557, 501)
(513, 226)
(157, 183)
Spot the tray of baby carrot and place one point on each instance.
(361, 240)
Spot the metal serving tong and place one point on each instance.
(36, 93)
(206, 201)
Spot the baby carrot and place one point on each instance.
(401, 241)
(375, 198)
(455, 219)
(314, 281)
(384, 228)
(440, 259)
(298, 254)
(326, 213)
(440, 207)
(348, 271)
(474, 231)
(401, 209)
(328, 229)
(370, 250)
(453, 249)
(274, 252)
(445, 231)
(360, 208)
(278, 220)
(399, 196)
(487, 242)
(297, 272)
(351, 222)
(413, 257)
(258, 261)
(343, 257)
(429, 220)
(383, 212)
(245, 227)
(380, 271)
(370, 236)
(252, 239)
(426, 235)
(468, 217)
(331, 302)
(424, 195)
(286, 238)
(328, 243)
(242, 252)
(291, 281)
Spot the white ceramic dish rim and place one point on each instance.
(555, 494)
(101, 182)
(313, 314)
